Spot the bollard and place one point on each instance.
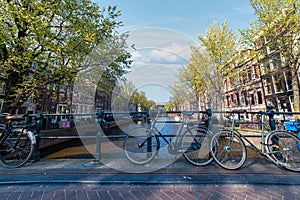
(271, 117)
(99, 115)
(38, 126)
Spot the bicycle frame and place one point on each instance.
(184, 126)
(263, 135)
(178, 135)
(8, 129)
(262, 150)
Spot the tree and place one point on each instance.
(169, 105)
(46, 42)
(183, 92)
(199, 72)
(277, 28)
(221, 44)
(129, 94)
(139, 98)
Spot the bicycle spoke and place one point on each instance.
(230, 152)
(16, 149)
(195, 146)
(283, 147)
(140, 146)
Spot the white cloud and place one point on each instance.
(162, 56)
(157, 55)
(136, 55)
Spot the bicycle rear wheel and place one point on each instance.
(140, 146)
(15, 148)
(229, 149)
(284, 149)
(195, 146)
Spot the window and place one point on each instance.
(267, 85)
(244, 94)
(238, 99)
(288, 80)
(292, 102)
(257, 73)
(232, 99)
(278, 83)
(243, 77)
(252, 99)
(259, 97)
(2, 87)
(1, 105)
(227, 99)
(226, 84)
(249, 77)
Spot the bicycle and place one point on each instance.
(280, 146)
(142, 144)
(102, 122)
(17, 142)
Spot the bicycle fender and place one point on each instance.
(32, 137)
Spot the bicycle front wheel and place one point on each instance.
(15, 148)
(229, 150)
(141, 146)
(284, 149)
(195, 146)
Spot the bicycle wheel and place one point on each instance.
(140, 146)
(229, 149)
(284, 149)
(195, 146)
(15, 148)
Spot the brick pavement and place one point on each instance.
(166, 191)
(85, 179)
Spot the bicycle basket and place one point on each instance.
(293, 126)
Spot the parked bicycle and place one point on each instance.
(143, 143)
(17, 141)
(280, 146)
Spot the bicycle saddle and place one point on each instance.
(14, 118)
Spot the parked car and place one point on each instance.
(178, 117)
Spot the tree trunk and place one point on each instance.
(295, 86)
(13, 100)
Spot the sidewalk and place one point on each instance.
(57, 171)
(87, 179)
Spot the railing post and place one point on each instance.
(99, 115)
(271, 117)
(208, 120)
(38, 126)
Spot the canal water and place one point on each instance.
(111, 149)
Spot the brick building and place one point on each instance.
(252, 84)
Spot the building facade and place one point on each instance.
(255, 84)
(2, 91)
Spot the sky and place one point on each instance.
(190, 17)
(162, 31)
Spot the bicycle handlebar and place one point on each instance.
(207, 111)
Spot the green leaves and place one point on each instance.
(47, 41)
(220, 43)
(276, 31)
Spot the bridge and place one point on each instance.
(98, 126)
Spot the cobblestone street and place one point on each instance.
(128, 192)
(87, 179)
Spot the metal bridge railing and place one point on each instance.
(45, 122)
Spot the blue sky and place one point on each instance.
(162, 32)
(190, 17)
